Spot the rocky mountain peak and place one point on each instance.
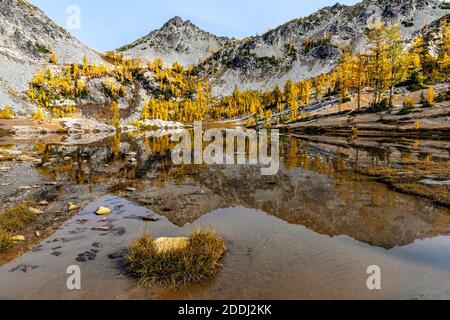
(337, 6)
(177, 41)
(175, 22)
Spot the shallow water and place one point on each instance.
(309, 232)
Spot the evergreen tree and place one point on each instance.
(378, 69)
(397, 65)
(359, 70)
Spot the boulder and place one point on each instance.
(19, 238)
(170, 244)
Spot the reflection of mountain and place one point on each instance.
(314, 187)
(317, 194)
(338, 205)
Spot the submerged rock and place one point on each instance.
(24, 268)
(118, 255)
(118, 231)
(85, 256)
(150, 218)
(97, 245)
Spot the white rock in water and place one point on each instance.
(5, 169)
(170, 244)
(43, 203)
(37, 234)
(103, 228)
(103, 211)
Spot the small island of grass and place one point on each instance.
(175, 261)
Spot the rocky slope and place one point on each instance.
(177, 40)
(282, 53)
(27, 36)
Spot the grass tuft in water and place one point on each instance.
(198, 260)
(5, 241)
(12, 220)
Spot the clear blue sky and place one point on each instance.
(109, 24)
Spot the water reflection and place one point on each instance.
(317, 186)
(291, 235)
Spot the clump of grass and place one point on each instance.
(12, 220)
(5, 241)
(198, 260)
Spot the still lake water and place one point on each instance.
(309, 232)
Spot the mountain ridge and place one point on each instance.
(281, 54)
